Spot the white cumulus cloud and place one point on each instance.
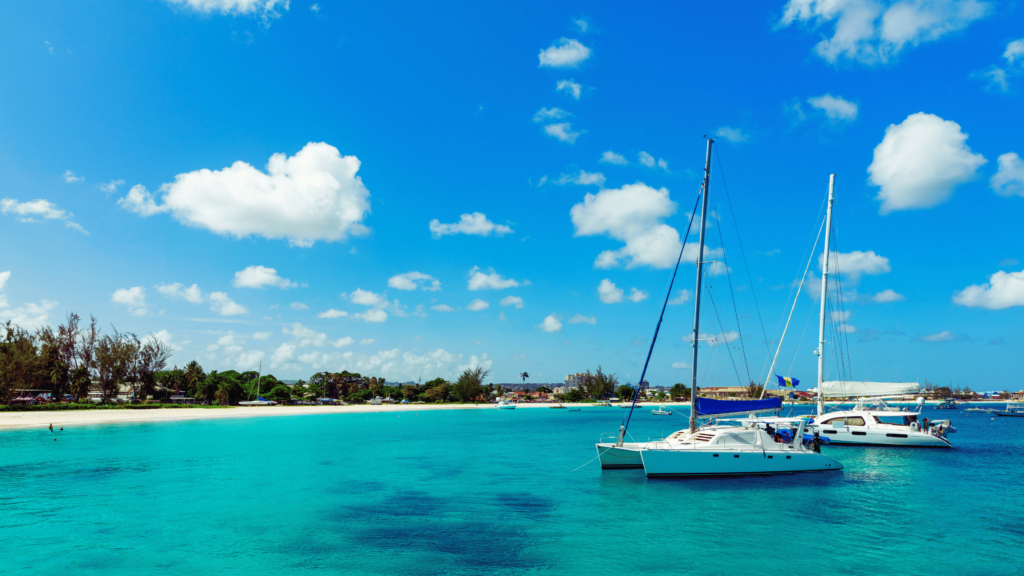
(33, 210)
(132, 298)
(373, 315)
(442, 308)
(875, 31)
(260, 276)
(512, 301)
(111, 186)
(299, 306)
(855, 263)
(367, 298)
(637, 295)
(546, 114)
(836, 108)
(943, 336)
(609, 292)
(225, 306)
(888, 295)
(1003, 290)
(332, 313)
(609, 157)
(583, 178)
(563, 131)
(569, 87)
(477, 305)
(632, 214)
(190, 294)
(551, 323)
(563, 53)
(920, 162)
(475, 224)
(581, 319)
(4, 277)
(681, 297)
(1009, 179)
(480, 280)
(266, 10)
(313, 195)
(646, 159)
(70, 177)
(734, 135)
(413, 280)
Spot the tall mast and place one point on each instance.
(824, 285)
(700, 277)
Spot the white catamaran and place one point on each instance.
(716, 448)
(871, 422)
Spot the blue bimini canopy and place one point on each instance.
(711, 407)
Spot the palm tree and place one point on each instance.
(524, 376)
(222, 396)
(193, 374)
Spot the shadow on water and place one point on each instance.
(457, 535)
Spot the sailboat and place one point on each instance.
(871, 422)
(259, 401)
(715, 447)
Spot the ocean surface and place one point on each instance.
(489, 492)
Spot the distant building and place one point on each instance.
(575, 380)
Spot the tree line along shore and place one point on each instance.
(77, 365)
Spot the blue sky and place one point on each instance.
(407, 190)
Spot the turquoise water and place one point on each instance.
(488, 492)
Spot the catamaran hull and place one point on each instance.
(702, 462)
(623, 457)
(907, 439)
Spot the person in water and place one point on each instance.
(816, 443)
(51, 427)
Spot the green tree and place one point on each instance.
(543, 389)
(599, 384)
(625, 392)
(279, 393)
(193, 375)
(470, 384)
(680, 392)
(438, 393)
(222, 396)
(754, 390)
(409, 392)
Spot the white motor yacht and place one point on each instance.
(879, 425)
(661, 411)
(871, 422)
(505, 405)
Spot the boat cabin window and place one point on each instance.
(835, 421)
(854, 421)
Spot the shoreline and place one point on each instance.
(32, 419)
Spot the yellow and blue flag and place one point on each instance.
(787, 382)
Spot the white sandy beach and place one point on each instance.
(42, 419)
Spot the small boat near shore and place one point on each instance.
(1013, 409)
(505, 405)
(661, 411)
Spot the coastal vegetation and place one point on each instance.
(78, 364)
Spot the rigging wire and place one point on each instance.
(657, 327)
(732, 295)
(743, 253)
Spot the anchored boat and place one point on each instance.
(716, 446)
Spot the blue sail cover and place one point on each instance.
(712, 407)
